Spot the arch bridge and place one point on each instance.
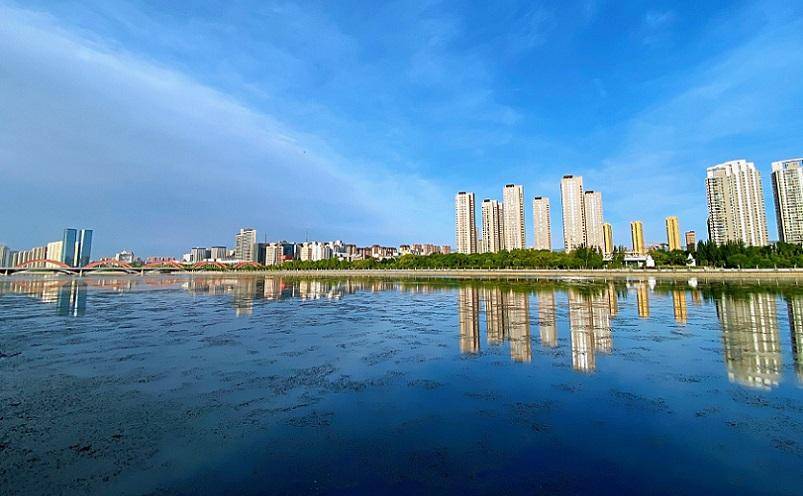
(106, 265)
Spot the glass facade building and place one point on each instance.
(84, 249)
(76, 247)
(68, 247)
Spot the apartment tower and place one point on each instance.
(492, 227)
(542, 226)
(673, 233)
(592, 208)
(465, 223)
(637, 237)
(571, 200)
(736, 204)
(513, 198)
(691, 241)
(607, 236)
(244, 244)
(787, 189)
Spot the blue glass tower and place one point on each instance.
(84, 247)
(68, 247)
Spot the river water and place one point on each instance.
(264, 385)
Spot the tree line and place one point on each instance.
(706, 253)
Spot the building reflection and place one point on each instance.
(643, 299)
(794, 308)
(518, 310)
(613, 299)
(750, 327)
(679, 306)
(547, 324)
(71, 299)
(507, 318)
(468, 312)
(68, 296)
(751, 339)
(495, 325)
(589, 327)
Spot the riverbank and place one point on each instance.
(701, 274)
(678, 273)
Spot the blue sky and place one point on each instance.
(163, 125)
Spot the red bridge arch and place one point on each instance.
(163, 264)
(242, 265)
(202, 264)
(108, 262)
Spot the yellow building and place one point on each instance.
(637, 237)
(607, 236)
(673, 233)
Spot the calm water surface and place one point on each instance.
(254, 385)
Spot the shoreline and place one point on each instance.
(712, 274)
(555, 274)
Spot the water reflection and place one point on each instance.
(69, 297)
(748, 314)
(507, 318)
(590, 326)
(679, 307)
(547, 312)
(751, 339)
(468, 311)
(643, 299)
(794, 308)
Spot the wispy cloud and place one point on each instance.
(154, 160)
(720, 111)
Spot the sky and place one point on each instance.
(167, 125)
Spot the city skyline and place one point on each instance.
(734, 200)
(160, 142)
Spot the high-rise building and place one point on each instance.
(571, 200)
(198, 254)
(84, 249)
(637, 237)
(607, 237)
(673, 233)
(592, 208)
(244, 242)
(54, 249)
(274, 253)
(492, 230)
(787, 189)
(218, 253)
(5, 256)
(68, 247)
(513, 199)
(305, 252)
(736, 204)
(542, 225)
(465, 223)
(691, 241)
(76, 247)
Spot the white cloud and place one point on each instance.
(150, 158)
(740, 105)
